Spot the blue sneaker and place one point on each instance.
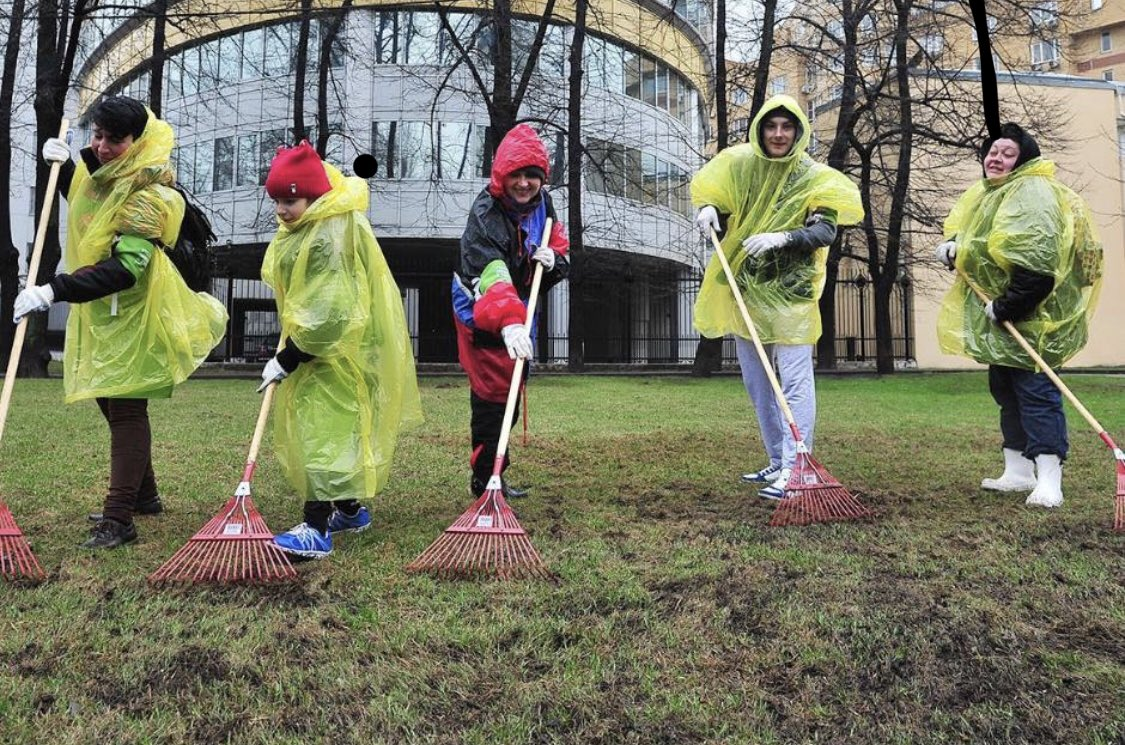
(304, 540)
(776, 490)
(341, 523)
(767, 475)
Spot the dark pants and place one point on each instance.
(318, 512)
(1031, 412)
(487, 423)
(131, 479)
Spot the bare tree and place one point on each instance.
(9, 253)
(57, 33)
(576, 357)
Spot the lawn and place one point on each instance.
(954, 616)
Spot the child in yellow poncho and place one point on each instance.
(135, 330)
(347, 358)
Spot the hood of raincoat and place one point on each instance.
(521, 147)
(1031, 220)
(142, 341)
(804, 134)
(338, 416)
(759, 194)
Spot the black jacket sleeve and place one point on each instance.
(819, 231)
(291, 356)
(1025, 291)
(92, 282)
(66, 176)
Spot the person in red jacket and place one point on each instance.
(493, 281)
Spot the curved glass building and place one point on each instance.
(403, 83)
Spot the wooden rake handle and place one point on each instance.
(766, 363)
(32, 272)
(263, 416)
(517, 373)
(1011, 329)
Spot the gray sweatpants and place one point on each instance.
(794, 365)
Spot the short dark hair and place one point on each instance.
(120, 116)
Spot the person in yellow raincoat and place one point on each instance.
(777, 211)
(347, 361)
(1029, 243)
(135, 330)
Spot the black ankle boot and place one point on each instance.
(152, 507)
(110, 534)
(477, 487)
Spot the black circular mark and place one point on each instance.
(365, 166)
(989, 96)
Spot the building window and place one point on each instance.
(1107, 75)
(1044, 51)
(739, 97)
(777, 86)
(1095, 4)
(932, 44)
(224, 164)
(1107, 41)
(1045, 13)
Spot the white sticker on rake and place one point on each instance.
(484, 521)
(232, 529)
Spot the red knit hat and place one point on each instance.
(297, 172)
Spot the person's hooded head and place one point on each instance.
(1001, 155)
(780, 129)
(519, 169)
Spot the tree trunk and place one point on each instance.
(837, 158)
(576, 352)
(300, 68)
(156, 64)
(765, 53)
(326, 42)
(9, 252)
(709, 352)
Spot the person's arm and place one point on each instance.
(66, 177)
(131, 256)
(484, 267)
(819, 231)
(1025, 291)
(291, 356)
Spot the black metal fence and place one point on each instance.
(646, 320)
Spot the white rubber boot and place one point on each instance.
(1019, 474)
(1048, 491)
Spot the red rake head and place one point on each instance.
(17, 562)
(485, 541)
(235, 547)
(813, 495)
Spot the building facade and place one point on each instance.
(404, 85)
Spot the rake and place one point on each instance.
(17, 562)
(1118, 454)
(487, 540)
(235, 546)
(812, 494)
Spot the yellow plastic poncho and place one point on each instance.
(762, 195)
(337, 417)
(1031, 220)
(140, 342)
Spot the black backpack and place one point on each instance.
(192, 254)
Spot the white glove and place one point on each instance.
(756, 245)
(31, 299)
(517, 340)
(56, 150)
(545, 255)
(707, 220)
(988, 311)
(946, 253)
(272, 372)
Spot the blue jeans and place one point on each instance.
(1031, 412)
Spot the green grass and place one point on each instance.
(955, 616)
